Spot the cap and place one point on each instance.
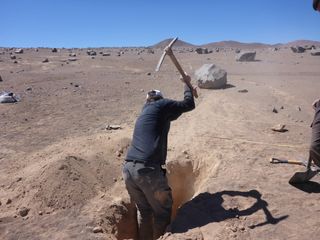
(154, 94)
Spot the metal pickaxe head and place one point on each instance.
(165, 52)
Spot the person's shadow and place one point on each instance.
(207, 208)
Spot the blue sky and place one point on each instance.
(111, 23)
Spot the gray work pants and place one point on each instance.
(148, 188)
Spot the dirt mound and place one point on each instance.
(66, 183)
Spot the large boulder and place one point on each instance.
(315, 52)
(247, 56)
(211, 76)
(298, 49)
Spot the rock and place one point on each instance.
(150, 51)
(97, 230)
(91, 53)
(45, 60)
(315, 52)
(24, 211)
(202, 50)
(13, 57)
(149, 73)
(298, 49)
(247, 56)
(243, 91)
(274, 110)
(8, 97)
(9, 201)
(40, 213)
(15, 62)
(299, 109)
(211, 76)
(54, 50)
(1, 79)
(72, 55)
(72, 59)
(18, 51)
(279, 128)
(238, 51)
(29, 89)
(106, 54)
(113, 127)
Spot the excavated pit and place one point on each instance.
(185, 179)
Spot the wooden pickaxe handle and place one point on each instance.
(183, 74)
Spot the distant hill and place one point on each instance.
(235, 44)
(178, 43)
(302, 43)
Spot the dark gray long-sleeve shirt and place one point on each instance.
(149, 142)
(315, 138)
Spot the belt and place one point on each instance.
(135, 161)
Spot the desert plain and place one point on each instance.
(64, 142)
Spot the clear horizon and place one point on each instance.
(124, 23)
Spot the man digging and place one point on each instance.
(144, 177)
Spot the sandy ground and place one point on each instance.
(60, 174)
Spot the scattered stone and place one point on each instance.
(243, 91)
(0, 203)
(106, 54)
(279, 128)
(315, 52)
(15, 62)
(72, 59)
(8, 97)
(282, 107)
(9, 201)
(238, 51)
(298, 49)
(72, 55)
(210, 76)
(247, 56)
(54, 50)
(1, 79)
(202, 50)
(299, 109)
(24, 211)
(150, 51)
(149, 73)
(29, 89)
(118, 154)
(18, 51)
(113, 127)
(45, 60)
(274, 110)
(91, 53)
(115, 180)
(19, 178)
(97, 230)
(13, 57)
(40, 213)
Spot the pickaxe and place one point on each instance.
(185, 79)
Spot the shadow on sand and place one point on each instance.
(207, 208)
(308, 187)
